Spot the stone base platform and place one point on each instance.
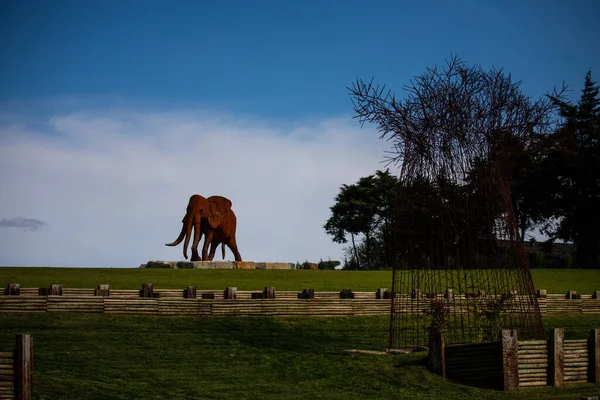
(217, 265)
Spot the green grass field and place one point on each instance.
(103, 356)
(553, 280)
(95, 356)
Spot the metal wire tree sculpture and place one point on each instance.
(460, 265)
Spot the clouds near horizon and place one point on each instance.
(111, 187)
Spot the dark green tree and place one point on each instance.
(571, 169)
(365, 212)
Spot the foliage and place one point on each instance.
(91, 356)
(308, 265)
(459, 133)
(365, 212)
(572, 164)
(328, 265)
(439, 312)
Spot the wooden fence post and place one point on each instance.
(189, 292)
(56, 290)
(230, 293)
(346, 294)
(269, 293)
(102, 290)
(13, 289)
(23, 367)
(307, 294)
(510, 360)
(147, 290)
(436, 360)
(380, 293)
(594, 355)
(556, 362)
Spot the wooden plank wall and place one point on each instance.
(533, 363)
(538, 362)
(171, 306)
(7, 375)
(575, 361)
(475, 364)
(16, 370)
(285, 303)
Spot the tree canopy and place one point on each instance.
(458, 129)
(364, 211)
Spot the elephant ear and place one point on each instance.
(219, 208)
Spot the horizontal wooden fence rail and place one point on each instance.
(269, 301)
(16, 370)
(170, 306)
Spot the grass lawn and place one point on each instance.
(95, 356)
(553, 280)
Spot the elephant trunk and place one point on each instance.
(197, 235)
(179, 239)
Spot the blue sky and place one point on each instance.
(114, 103)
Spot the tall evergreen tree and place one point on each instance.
(572, 166)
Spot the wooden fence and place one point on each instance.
(510, 364)
(231, 302)
(16, 370)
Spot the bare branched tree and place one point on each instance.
(450, 116)
(457, 135)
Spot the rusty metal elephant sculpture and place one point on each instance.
(213, 218)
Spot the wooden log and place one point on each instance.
(102, 290)
(449, 294)
(537, 383)
(542, 293)
(526, 343)
(269, 293)
(540, 373)
(537, 356)
(307, 294)
(230, 293)
(533, 365)
(510, 363)
(435, 358)
(13, 289)
(24, 367)
(556, 359)
(380, 293)
(147, 290)
(189, 292)
(56, 290)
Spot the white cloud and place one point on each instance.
(112, 186)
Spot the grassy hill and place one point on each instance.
(553, 280)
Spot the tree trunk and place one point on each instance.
(354, 248)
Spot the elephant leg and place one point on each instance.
(207, 240)
(233, 247)
(195, 255)
(213, 248)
